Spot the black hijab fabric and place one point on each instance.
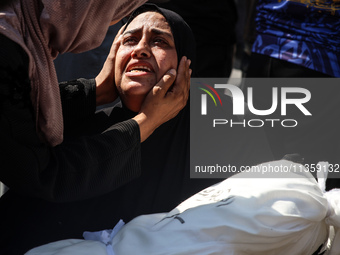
(165, 180)
(183, 36)
(165, 155)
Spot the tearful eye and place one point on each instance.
(160, 41)
(130, 41)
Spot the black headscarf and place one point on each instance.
(165, 155)
(183, 36)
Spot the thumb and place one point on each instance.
(166, 81)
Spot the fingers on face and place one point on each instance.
(165, 83)
(184, 69)
(115, 45)
(182, 81)
(118, 38)
(120, 32)
(184, 74)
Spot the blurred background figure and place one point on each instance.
(301, 39)
(303, 33)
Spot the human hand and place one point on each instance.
(165, 101)
(105, 81)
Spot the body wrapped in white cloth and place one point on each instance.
(277, 213)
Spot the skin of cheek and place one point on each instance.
(118, 66)
(127, 87)
(166, 63)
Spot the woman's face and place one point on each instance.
(146, 53)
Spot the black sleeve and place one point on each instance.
(76, 169)
(78, 98)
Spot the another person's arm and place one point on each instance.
(76, 169)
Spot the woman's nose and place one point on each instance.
(142, 50)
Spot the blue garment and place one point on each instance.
(303, 32)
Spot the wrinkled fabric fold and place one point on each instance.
(46, 28)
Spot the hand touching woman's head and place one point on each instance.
(153, 42)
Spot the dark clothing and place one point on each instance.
(300, 39)
(164, 183)
(165, 180)
(77, 169)
(265, 66)
(72, 170)
(305, 33)
(315, 139)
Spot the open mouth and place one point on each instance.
(134, 69)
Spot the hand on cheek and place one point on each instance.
(168, 102)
